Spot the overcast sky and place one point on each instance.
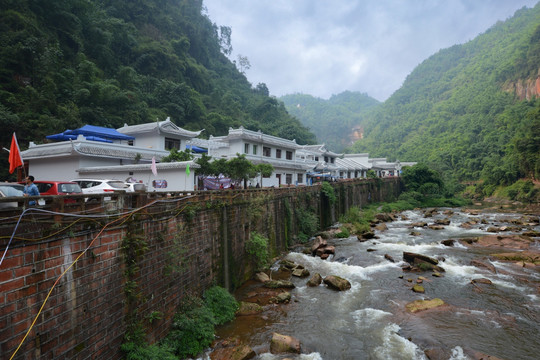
(325, 47)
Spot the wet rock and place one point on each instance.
(318, 242)
(315, 280)
(232, 350)
(442, 221)
(418, 289)
(283, 297)
(436, 274)
(284, 344)
(528, 256)
(337, 283)
(385, 217)
(366, 236)
(421, 305)
(262, 277)
(469, 240)
(477, 355)
(531, 233)
(481, 281)
(448, 212)
(430, 212)
(404, 217)
(410, 257)
(248, 308)
(287, 264)
(483, 264)
(274, 284)
(418, 224)
(493, 229)
(300, 272)
(371, 250)
(437, 354)
(415, 233)
(508, 241)
(449, 242)
(381, 227)
(389, 258)
(324, 256)
(436, 227)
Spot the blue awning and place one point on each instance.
(196, 149)
(91, 132)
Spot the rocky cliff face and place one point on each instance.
(526, 89)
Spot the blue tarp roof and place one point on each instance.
(197, 149)
(91, 132)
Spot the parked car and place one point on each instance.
(10, 190)
(58, 188)
(135, 187)
(98, 186)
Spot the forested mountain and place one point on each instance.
(337, 122)
(66, 63)
(472, 110)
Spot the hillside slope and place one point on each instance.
(65, 63)
(459, 111)
(337, 122)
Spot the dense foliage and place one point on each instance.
(66, 63)
(335, 121)
(257, 246)
(192, 330)
(239, 169)
(459, 113)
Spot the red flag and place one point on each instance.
(15, 158)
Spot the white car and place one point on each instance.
(99, 186)
(135, 187)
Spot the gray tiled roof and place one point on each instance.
(166, 126)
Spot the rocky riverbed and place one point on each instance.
(426, 284)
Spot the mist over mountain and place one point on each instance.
(337, 122)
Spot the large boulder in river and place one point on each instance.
(318, 242)
(384, 217)
(300, 272)
(284, 344)
(421, 305)
(366, 236)
(337, 283)
(411, 257)
(315, 280)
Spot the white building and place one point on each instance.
(129, 155)
(262, 148)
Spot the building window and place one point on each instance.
(254, 149)
(326, 159)
(288, 155)
(332, 160)
(278, 153)
(130, 142)
(316, 158)
(267, 151)
(300, 178)
(246, 148)
(172, 144)
(288, 179)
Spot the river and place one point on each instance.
(369, 321)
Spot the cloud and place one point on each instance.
(322, 48)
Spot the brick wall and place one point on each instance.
(142, 264)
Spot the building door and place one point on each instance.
(278, 176)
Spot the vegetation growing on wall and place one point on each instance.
(257, 247)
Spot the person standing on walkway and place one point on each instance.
(30, 189)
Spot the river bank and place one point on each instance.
(489, 287)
